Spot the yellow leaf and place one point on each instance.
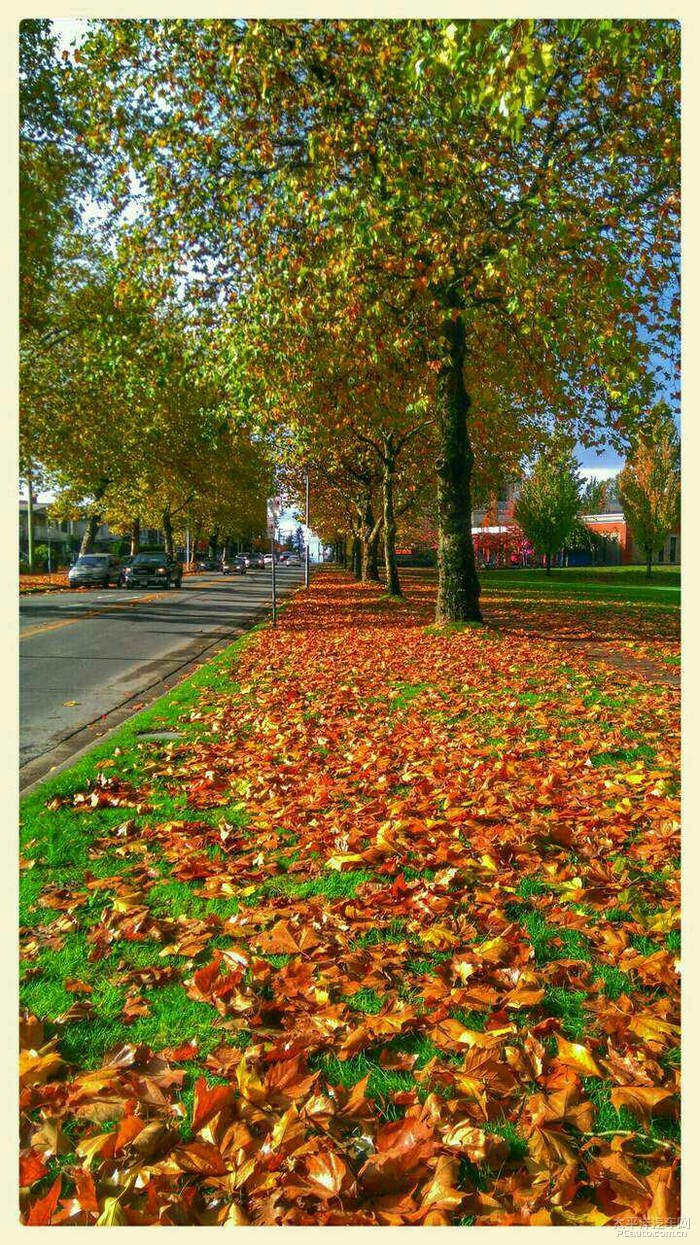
(35, 1068)
(570, 887)
(578, 1057)
(341, 861)
(663, 922)
(249, 1083)
(488, 862)
(112, 1216)
(438, 936)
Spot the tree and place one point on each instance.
(509, 186)
(595, 494)
(51, 172)
(649, 487)
(549, 502)
(50, 176)
(124, 406)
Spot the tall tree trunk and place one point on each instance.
(89, 534)
(370, 541)
(372, 564)
(135, 537)
(94, 520)
(548, 563)
(648, 551)
(458, 582)
(214, 543)
(393, 586)
(168, 534)
(356, 557)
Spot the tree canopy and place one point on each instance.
(469, 225)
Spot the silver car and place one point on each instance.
(94, 570)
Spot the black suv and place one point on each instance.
(153, 569)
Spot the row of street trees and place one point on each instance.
(410, 251)
(124, 412)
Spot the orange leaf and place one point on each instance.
(42, 1211)
(209, 1102)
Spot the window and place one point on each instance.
(672, 548)
(661, 554)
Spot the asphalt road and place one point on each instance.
(87, 657)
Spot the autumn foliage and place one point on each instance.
(389, 936)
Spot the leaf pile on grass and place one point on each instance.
(57, 581)
(389, 936)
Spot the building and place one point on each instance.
(495, 536)
(64, 537)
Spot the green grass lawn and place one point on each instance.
(618, 582)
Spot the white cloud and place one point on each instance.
(598, 473)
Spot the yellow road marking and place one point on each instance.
(69, 622)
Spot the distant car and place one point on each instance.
(234, 566)
(258, 561)
(153, 569)
(292, 559)
(207, 564)
(94, 570)
(267, 559)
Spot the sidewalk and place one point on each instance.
(385, 932)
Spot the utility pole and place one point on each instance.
(271, 523)
(30, 521)
(306, 559)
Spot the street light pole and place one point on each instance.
(30, 521)
(271, 525)
(306, 559)
(274, 579)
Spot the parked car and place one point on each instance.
(155, 569)
(94, 570)
(292, 559)
(207, 564)
(234, 566)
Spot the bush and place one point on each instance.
(41, 557)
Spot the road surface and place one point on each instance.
(87, 658)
